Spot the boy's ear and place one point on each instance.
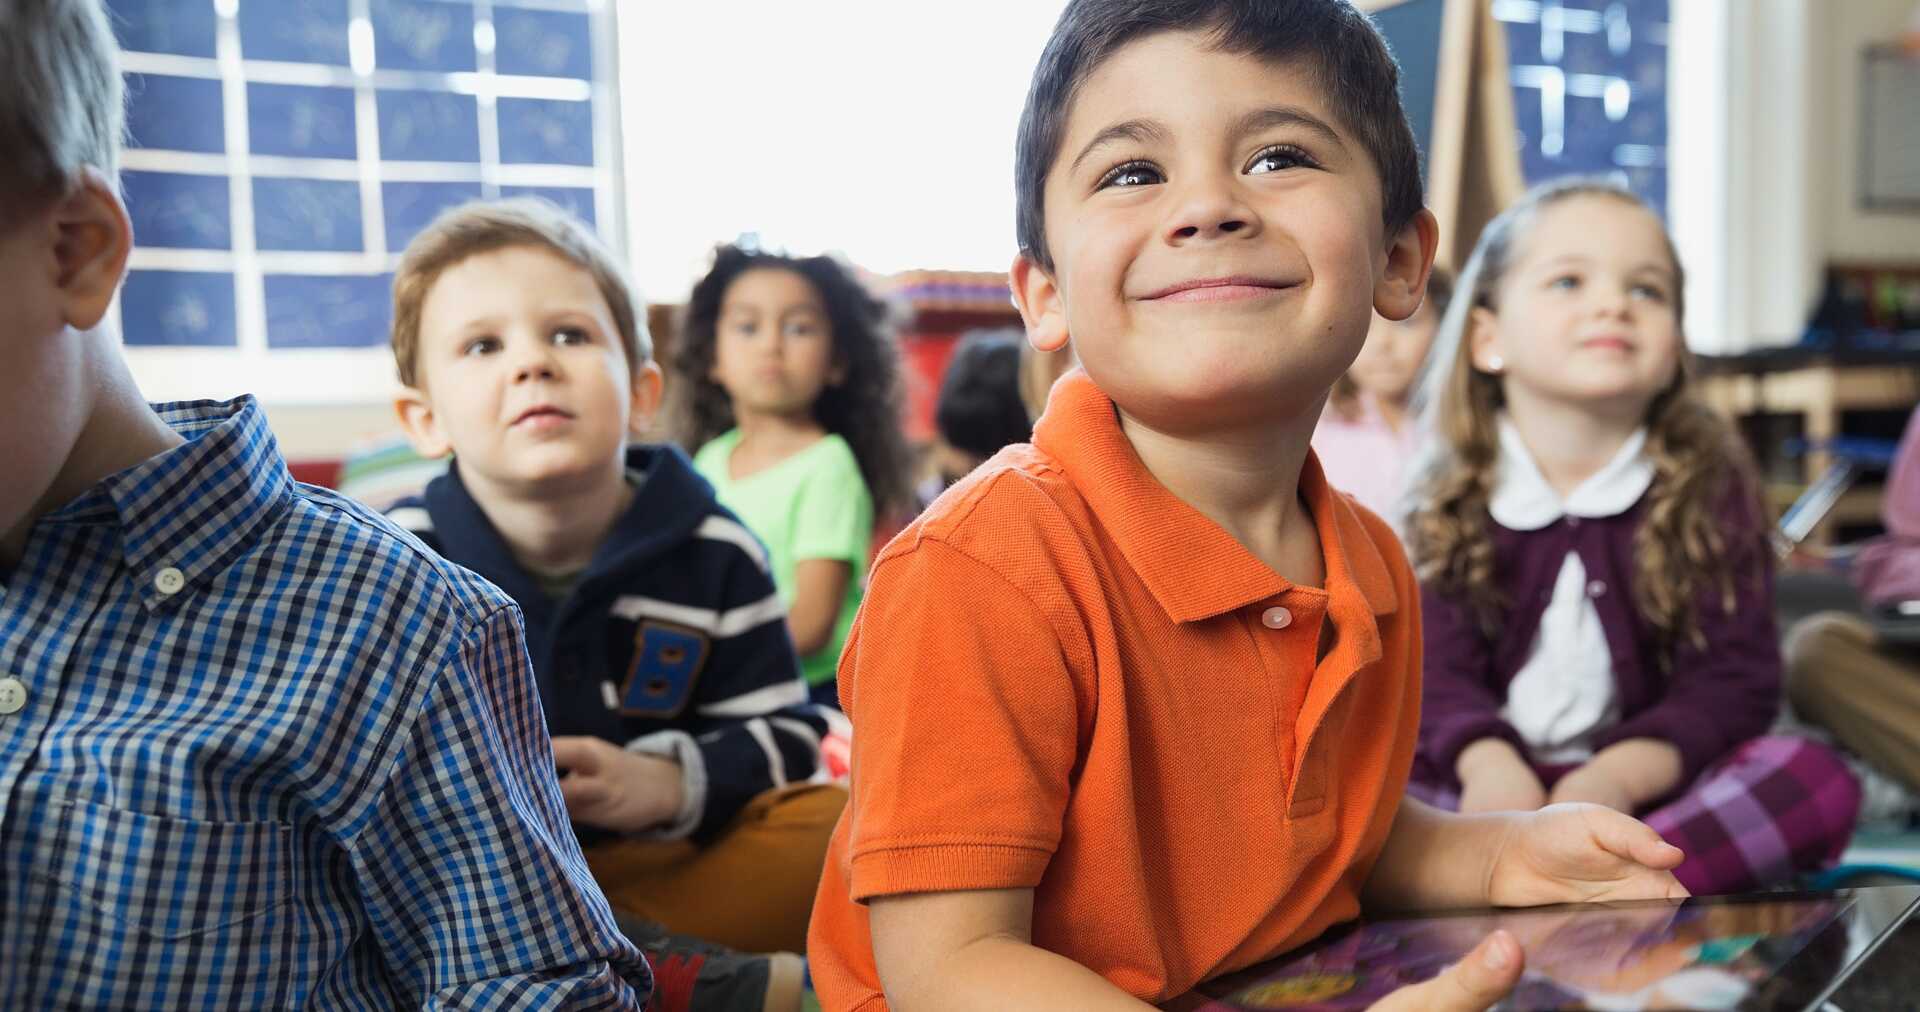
(1038, 298)
(422, 426)
(1403, 285)
(645, 404)
(92, 239)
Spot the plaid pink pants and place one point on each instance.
(1774, 807)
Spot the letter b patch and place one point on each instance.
(666, 664)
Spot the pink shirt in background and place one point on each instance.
(1887, 571)
(1365, 457)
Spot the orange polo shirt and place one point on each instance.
(1066, 679)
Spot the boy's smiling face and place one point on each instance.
(1216, 236)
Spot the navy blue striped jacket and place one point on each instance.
(671, 642)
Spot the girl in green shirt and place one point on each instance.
(786, 387)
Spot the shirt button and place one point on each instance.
(1596, 588)
(1276, 618)
(1573, 521)
(168, 581)
(13, 695)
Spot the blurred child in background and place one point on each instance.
(1366, 438)
(787, 383)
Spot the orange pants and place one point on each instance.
(751, 889)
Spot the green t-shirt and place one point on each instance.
(812, 505)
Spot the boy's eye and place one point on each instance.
(481, 346)
(570, 335)
(1565, 282)
(745, 328)
(1278, 157)
(803, 328)
(1131, 174)
(1651, 293)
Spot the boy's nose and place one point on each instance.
(534, 366)
(1212, 212)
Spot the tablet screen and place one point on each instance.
(1765, 951)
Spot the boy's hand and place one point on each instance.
(1580, 854)
(612, 788)
(1485, 976)
(1494, 778)
(1593, 786)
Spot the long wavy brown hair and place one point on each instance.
(1700, 464)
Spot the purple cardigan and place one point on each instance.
(1705, 702)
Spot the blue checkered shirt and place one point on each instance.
(259, 749)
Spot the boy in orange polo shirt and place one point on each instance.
(1135, 704)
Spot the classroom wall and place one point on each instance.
(1765, 118)
(1847, 231)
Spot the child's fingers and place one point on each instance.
(1628, 837)
(582, 792)
(576, 753)
(1485, 976)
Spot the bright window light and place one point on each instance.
(878, 128)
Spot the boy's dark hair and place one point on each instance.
(1338, 43)
(863, 408)
(980, 409)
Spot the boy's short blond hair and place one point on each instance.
(62, 103)
(483, 226)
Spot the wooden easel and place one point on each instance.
(1473, 162)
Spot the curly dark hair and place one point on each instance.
(864, 408)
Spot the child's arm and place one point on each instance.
(832, 531)
(1624, 776)
(468, 838)
(969, 950)
(819, 591)
(974, 949)
(1495, 777)
(1460, 727)
(1436, 860)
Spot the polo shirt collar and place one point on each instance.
(1192, 566)
(1523, 501)
(184, 514)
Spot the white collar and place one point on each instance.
(1523, 501)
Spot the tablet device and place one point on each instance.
(1764, 951)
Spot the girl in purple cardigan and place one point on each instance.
(1595, 568)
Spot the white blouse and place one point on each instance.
(1564, 693)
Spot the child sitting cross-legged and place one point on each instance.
(1596, 573)
(668, 680)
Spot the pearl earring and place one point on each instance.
(1495, 363)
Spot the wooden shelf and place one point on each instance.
(1820, 394)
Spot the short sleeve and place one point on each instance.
(833, 512)
(966, 727)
